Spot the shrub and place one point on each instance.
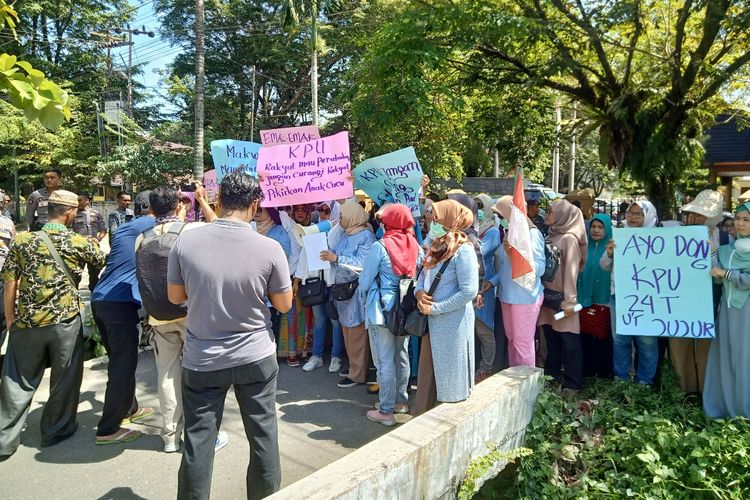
(624, 440)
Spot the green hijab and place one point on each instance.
(736, 256)
(594, 282)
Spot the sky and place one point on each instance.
(155, 53)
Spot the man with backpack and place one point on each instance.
(168, 321)
(115, 303)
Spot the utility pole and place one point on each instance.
(572, 160)
(314, 63)
(556, 151)
(496, 163)
(200, 60)
(130, 33)
(252, 108)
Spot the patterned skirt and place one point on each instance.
(296, 332)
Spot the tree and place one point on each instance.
(412, 86)
(650, 73)
(26, 87)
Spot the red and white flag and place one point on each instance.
(519, 239)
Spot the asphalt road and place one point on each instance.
(318, 424)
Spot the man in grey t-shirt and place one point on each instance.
(225, 271)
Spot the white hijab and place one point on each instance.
(650, 218)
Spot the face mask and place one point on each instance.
(504, 223)
(480, 215)
(437, 230)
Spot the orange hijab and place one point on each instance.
(454, 217)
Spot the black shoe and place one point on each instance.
(344, 373)
(347, 382)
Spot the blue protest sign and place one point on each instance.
(395, 177)
(663, 282)
(232, 156)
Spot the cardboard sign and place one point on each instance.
(295, 174)
(291, 135)
(212, 187)
(663, 282)
(394, 177)
(233, 156)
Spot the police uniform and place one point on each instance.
(89, 223)
(36, 210)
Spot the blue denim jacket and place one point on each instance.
(378, 284)
(352, 251)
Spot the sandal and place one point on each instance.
(139, 414)
(121, 436)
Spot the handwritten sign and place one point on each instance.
(309, 172)
(291, 135)
(663, 282)
(394, 177)
(234, 156)
(212, 187)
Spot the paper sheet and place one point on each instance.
(314, 244)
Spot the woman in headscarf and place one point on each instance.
(641, 213)
(349, 256)
(567, 232)
(449, 309)
(396, 256)
(489, 237)
(594, 296)
(726, 393)
(689, 356)
(520, 306)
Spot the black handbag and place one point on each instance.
(344, 291)
(312, 292)
(551, 261)
(553, 299)
(416, 322)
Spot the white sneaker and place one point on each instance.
(222, 438)
(171, 447)
(335, 365)
(313, 363)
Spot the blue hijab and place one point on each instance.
(594, 282)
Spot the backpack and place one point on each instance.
(405, 304)
(151, 271)
(551, 261)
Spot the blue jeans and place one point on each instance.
(648, 353)
(319, 333)
(393, 369)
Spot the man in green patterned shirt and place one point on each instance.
(45, 325)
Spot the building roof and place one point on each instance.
(728, 143)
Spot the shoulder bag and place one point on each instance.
(416, 322)
(312, 292)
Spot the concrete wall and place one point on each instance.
(427, 457)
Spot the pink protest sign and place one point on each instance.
(290, 135)
(309, 172)
(212, 187)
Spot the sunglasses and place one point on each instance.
(325, 210)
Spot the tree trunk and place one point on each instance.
(199, 97)
(314, 63)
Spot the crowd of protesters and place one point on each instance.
(259, 302)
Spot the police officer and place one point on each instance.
(121, 215)
(36, 211)
(91, 224)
